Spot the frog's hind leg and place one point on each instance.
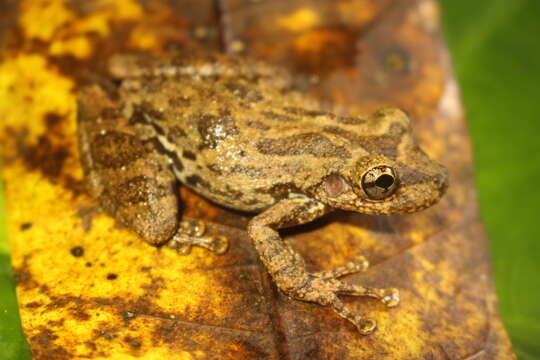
(124, 169)
(192, 233)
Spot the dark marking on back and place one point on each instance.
(214, 129)
(350, 120)
(306, 112)
(347, 135)
(374, 144)
(196, 181)
(189, 155)
(280, 191)
(137, 116)
(153, 144)
(252, 172)
(381, 144)
(216, 169)
(308, 143)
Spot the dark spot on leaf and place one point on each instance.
(25, 226)
(112, 276)
(44, 346)
(33, 305)
(128, 315)
(45, 156)
(134, 343)
(52, 119)
(77, 251)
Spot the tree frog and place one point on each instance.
(236, 132)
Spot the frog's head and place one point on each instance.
(392, 176)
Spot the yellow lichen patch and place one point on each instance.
(56, 22)
(301, 19)
(30, 89)
(40, 19)
(158, 28)
(143, 38)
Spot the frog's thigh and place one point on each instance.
(125, 172)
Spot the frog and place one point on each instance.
(239, 133)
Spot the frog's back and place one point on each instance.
(241, 139)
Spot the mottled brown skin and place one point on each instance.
(233, 131)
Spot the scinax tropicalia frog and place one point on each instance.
(232, 130)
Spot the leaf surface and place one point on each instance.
(89, 289)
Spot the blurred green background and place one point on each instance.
(495, 47)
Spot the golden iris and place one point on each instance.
(380, 182)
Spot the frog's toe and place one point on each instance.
(364, 325)
(359, 264)
(182, 248)
(195, 228)
(390, 297)
(182, 243)
(220, 245)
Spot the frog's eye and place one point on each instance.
(380, 182)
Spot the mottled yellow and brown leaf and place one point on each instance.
(89, 289)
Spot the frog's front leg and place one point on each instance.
(288, 270)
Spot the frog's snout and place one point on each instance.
(440, 180)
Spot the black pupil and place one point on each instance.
(384, 181)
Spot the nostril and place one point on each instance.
(441, 181)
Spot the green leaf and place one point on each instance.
(12, 342)
(496, 54)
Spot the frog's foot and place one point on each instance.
(359, 264)
(191, 233)
(326, 291)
